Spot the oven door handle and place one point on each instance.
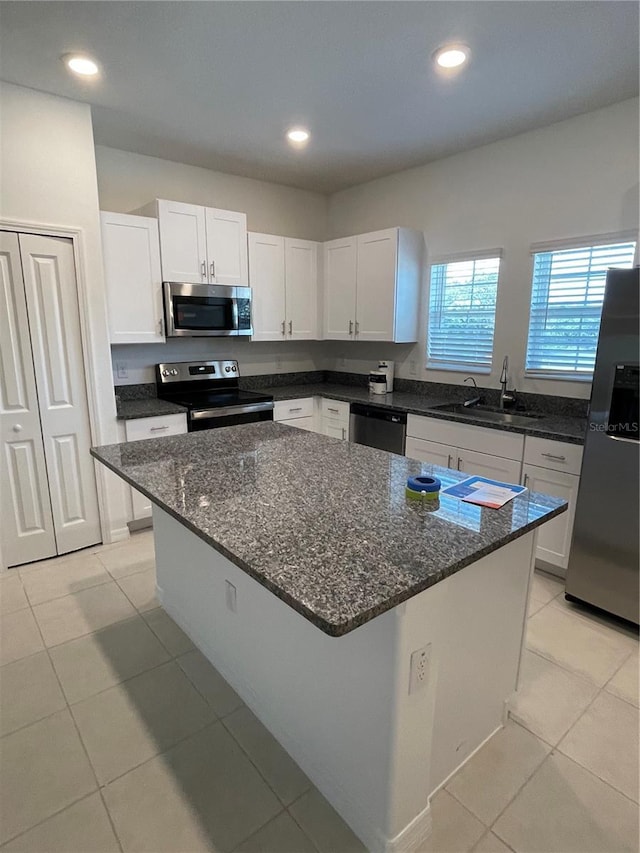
(225, 411)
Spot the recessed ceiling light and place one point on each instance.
(80, 64)
(451, 55)
(298, 136)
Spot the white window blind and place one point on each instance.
(462, 310)
(566, 304)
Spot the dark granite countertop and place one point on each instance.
(147, 407)
(557, 427)
(322, 523)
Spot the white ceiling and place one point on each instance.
(216, 84)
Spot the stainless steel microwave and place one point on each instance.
(206, 310)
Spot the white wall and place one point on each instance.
(48, 172)
(128, 181)
(578, 177)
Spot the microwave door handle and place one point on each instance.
(235, 320)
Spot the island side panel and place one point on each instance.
(479, 661)
(339, 705)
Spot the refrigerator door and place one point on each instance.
(603, 564)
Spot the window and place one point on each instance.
(462, 311)
(566, 304)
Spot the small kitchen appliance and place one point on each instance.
(388, 368)
(377, 382)
(206, 310)
(211, 393)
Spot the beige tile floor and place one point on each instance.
(118, 735)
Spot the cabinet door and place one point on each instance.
(485, 465)
(301, 288)
(431, 451)
(226, 246)
(340, 289)
(154, 427)
(335, 429)
(307, 423)
(376, 285)
(183, 244)
(554, 537)
(131, 251)
(266, 270)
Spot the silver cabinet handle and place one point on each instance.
(290, 327)
(329, 409)
(158, 429)
(552, 456)
(449, 461)
(343, 431)
(459, 463)
(203, 268)
(350, 327)
(17, 427)
(283, 331)
(212, 269)
(357, 328)
(298, 409)
(526, 480)
(161, 326)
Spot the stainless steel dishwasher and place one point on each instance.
(378, 427)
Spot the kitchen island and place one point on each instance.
(377, 638)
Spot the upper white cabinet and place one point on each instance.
(133, 281)
(283, 275)
(201, 245)
(372, 286)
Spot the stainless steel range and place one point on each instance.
(211, 393)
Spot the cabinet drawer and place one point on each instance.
(556, 455)
(496, 442)
(155, 427)
(335, 410)
(285, 410)
(431, 451)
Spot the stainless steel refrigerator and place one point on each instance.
(603, 564)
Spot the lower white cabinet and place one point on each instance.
(485, 465)
(154, 427)
(554, 537)
(334, 418)
(430, 451)
(308, 423)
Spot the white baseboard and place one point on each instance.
(117, 534)
(414, 835)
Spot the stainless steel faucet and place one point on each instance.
(507, 398)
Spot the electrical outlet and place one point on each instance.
(122, 371)
(230, 594)
(419, 669)
(413, 368)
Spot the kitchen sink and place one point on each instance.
(490, 414)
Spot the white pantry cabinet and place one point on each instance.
(131, 252)
(283, 274)
(201, 245)
(372, 286)
(153, 427)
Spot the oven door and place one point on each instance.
(200, 310)
(229, 416)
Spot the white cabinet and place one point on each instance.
(553, 467)
(133, 281)
(334, 418)
(201, 245)
(284, 287)
(308, 423)
(153, 427)
(472, 450)
(372, 286)
(340, 264)
(285, 410)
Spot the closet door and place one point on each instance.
(54, 323)
(25, 509)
